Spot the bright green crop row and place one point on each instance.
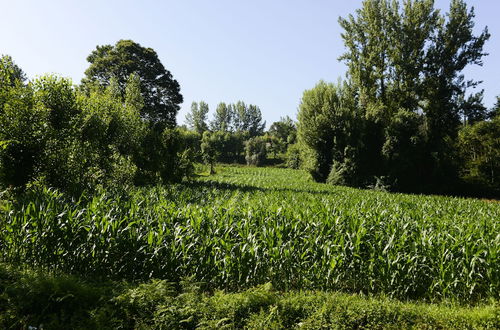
(248, 226)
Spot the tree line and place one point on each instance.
(405, 118)
(116, 128)
(236, 134)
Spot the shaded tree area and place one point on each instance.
(396, 120)
(236, 134)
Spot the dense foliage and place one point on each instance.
(160, 91)
(248, 226)
(197, 118)
(255, 150)
(78, 139)
(397, 118)
(480, 148)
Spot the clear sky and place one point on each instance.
(264, 52)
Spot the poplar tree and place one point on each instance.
(197, 117)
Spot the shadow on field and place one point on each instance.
(249, 188)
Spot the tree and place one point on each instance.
(10, 76)
(160, 91)
(451, 51)
(197, 118)
(10, 73)
(23, 129)
(285, 131)
(473, 110)
(293, 158)
(254, 125)
(223, 118)
(328, 130)
(210, 148)
(480, 148)
(495, 112)
(247, 118)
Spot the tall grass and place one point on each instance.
(248, 226)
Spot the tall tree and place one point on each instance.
(160, 91)
(197, 117)
(255, 126)
(239, 116)
(10, 75)
(10, 72)
(223, 118)
(473, 109)
(480, 148)
(451, 50)
(495, 111)
(247, 118)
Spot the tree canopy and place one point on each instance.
(197, 117)
(160, 91)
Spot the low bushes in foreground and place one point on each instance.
(41, 300)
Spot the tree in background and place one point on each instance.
(495, 112)
(236, 123)
(247, 118)
(285, 131)
(210, 148)
(329, 126)
(223, 118)
(293, 156)
(196, 119)
(160, 91)
(473, 109)
(480, 148)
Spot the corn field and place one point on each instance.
(248, 226)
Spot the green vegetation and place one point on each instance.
(249, 226)
(159, 90)
(63, 302)
(77, 139)
(103, 223)
(396, 119)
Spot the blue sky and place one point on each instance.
(262, 52)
